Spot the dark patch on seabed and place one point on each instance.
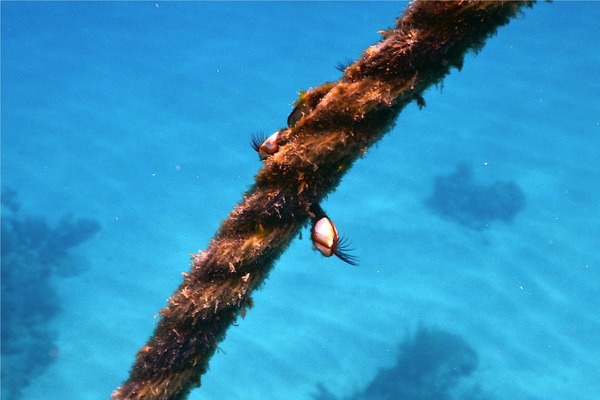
(432, 364)
(458, 198)
(33, 252)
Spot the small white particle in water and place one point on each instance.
(154, 174)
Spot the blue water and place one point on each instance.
(139, 116)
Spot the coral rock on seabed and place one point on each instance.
(430, 366)
(457, 197)
(32, 253)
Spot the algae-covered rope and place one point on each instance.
(329, 129)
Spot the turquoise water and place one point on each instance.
(138, 117)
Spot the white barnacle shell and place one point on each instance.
(325, 238)
(268, 147)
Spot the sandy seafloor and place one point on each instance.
(139, 115)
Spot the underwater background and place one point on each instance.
(126, 132)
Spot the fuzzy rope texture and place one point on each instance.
(332, 126)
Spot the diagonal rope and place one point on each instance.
(331, 127)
